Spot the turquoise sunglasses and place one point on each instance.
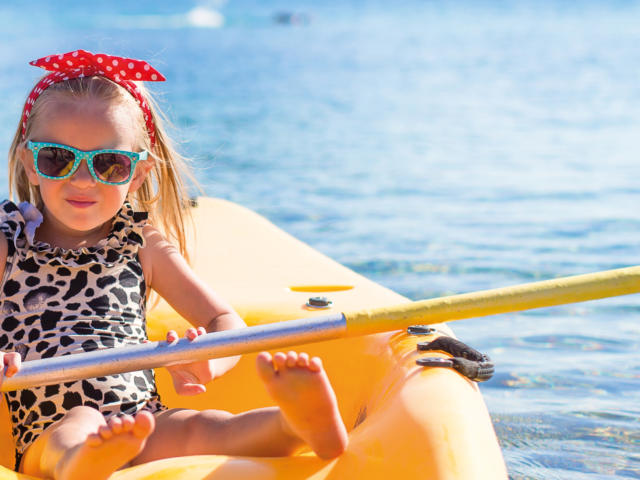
(111, 167)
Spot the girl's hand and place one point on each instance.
(9, 364)
(190, 378)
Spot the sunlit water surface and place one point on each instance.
(435, 147)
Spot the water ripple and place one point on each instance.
(495, 147)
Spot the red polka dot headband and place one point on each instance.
(80, 63)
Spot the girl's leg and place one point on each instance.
(83, 445)
(181, 432)
(307, 413)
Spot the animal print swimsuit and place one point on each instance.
(56, 301)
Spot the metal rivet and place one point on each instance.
(319, 302)
(421, 330)
(435, 362)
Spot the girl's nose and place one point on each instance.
(82, 177)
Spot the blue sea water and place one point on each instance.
(436, 147)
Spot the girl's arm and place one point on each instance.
(168, 273)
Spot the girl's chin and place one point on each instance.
(82, 222)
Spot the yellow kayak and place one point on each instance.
(403, 420)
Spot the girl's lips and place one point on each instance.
(79, 203)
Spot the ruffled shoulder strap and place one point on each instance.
(19, 224)
(120, 245)
(10, 217)
(127, 226)
(13, 223)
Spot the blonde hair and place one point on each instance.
(163, 194)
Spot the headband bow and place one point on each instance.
(80, 63)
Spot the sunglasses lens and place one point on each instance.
(55, 162)
(112, 167)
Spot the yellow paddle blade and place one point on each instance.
(558, 291)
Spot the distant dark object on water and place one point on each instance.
(291, 18)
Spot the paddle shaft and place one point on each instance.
(225, 343)
(527, 296)
(295, 332)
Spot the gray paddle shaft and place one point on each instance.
(225, 343)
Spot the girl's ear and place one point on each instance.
(142, 170)
(26, 158)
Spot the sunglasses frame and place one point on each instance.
(35, 147)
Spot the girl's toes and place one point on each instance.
(264, 364)
(279, 360)
(315, 364)
(115, 424)
(94, 440)
(143, 424)
(127, 423)
(292, 359)
(303, 360)
(264, 358)
(105, 432)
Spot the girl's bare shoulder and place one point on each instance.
(157, 250)
(155, 243)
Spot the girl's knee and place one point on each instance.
(78, 422)
(83, 414)
(203, 424)
(207, 429)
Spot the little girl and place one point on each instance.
(99, 226)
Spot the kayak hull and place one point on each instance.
(403, 420)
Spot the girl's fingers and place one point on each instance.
(191, 334)
(194, 333)
(12, 361)
(172, 336)
(191, 389)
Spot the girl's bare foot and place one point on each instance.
(104, 452)
(308, 404)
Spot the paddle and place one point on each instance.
(547, 293)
